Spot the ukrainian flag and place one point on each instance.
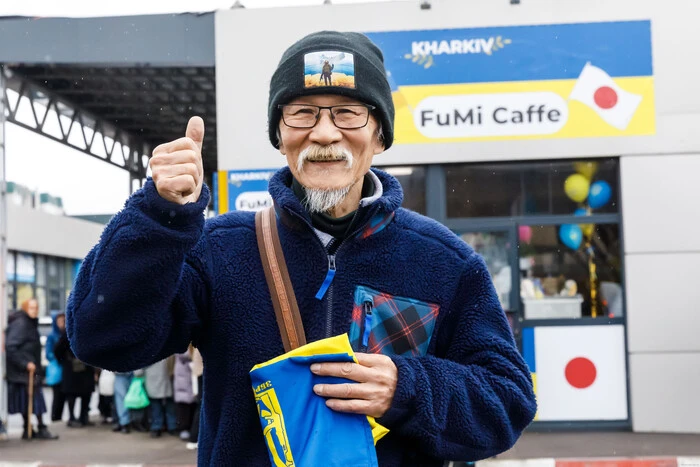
(299, 429)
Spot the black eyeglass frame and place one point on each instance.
(369, 108)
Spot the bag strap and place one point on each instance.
(278, 281)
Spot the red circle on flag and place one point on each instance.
(605, 97)
(580, 372)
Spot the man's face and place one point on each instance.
(61, 322)
(312, 172)
(33, 308)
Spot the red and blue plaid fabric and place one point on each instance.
(383, 323)
(375, 224)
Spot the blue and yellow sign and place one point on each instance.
(242, 190)
(522, 82)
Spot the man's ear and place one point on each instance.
(280, 145)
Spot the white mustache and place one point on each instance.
(319, 153)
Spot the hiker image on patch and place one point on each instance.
(329, 69)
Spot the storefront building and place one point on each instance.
(561, 144)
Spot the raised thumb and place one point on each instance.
(195, 130)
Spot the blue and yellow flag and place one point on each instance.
(299, 429)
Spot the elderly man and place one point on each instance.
(437, 361)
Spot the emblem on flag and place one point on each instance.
(598, 90)
(579, 371)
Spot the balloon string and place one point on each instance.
(593, 278)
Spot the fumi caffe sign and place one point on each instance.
(521, 82)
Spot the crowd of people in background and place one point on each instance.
(172, 386)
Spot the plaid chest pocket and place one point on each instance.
(391, 325)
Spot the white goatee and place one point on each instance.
(319, 200)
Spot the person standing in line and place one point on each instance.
(159, 386)
(184, 394)
(122, 381)
(78, 383)
(54, 372)
(23, 353)
(105, 388)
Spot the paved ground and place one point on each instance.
(98, 445)
(603, 444)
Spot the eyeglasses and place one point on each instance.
(348, 116)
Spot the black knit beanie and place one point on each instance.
(330, 62)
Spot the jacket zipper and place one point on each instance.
(367, 324)
(331, 262)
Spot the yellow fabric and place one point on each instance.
(331, 345)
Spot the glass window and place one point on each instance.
(40, 270)
(41, 298)
(11, 303)
(26, 271)
(563, 275)
(52, 272)
(55, 299)
(530, 188)
(10, 265)
(412, 181)
(24, 292)
(68, 273)
(494, 248)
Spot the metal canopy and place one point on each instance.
(152, 104)
(142, 76)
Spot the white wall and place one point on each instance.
(35, 231)
(661, 219)
(250, 42)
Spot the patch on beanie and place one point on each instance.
(329, 68)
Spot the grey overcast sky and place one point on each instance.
(82, 8)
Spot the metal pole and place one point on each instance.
(3, 251)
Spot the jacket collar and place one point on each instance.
(387, 198)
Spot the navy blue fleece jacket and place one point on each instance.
(161, 277)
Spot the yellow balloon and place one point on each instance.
(587, 169)
(587, 229)
(576, 187)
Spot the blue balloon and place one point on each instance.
(581, 212)
(571, 235)
(599, 194)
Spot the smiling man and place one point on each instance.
(437, 361)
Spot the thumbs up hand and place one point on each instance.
(177, 166)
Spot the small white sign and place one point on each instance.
(253, 201)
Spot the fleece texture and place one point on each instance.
(161, 277)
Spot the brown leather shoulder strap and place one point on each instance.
(283, 299)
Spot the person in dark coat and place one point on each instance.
(23, 350)
(78, 382)
(59, 399)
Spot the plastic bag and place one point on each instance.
(54, 373)
(136, 397)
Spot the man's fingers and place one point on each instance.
(184, 156)
(176, 145)
(354, 406)
(195, 131)
(349, 370)
(174, 170)
(181, 186)
(347, 390)
(371, 359)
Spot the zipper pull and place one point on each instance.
(368, 324)
(329, 278)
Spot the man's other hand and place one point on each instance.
(376, 377)
(177, 166)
